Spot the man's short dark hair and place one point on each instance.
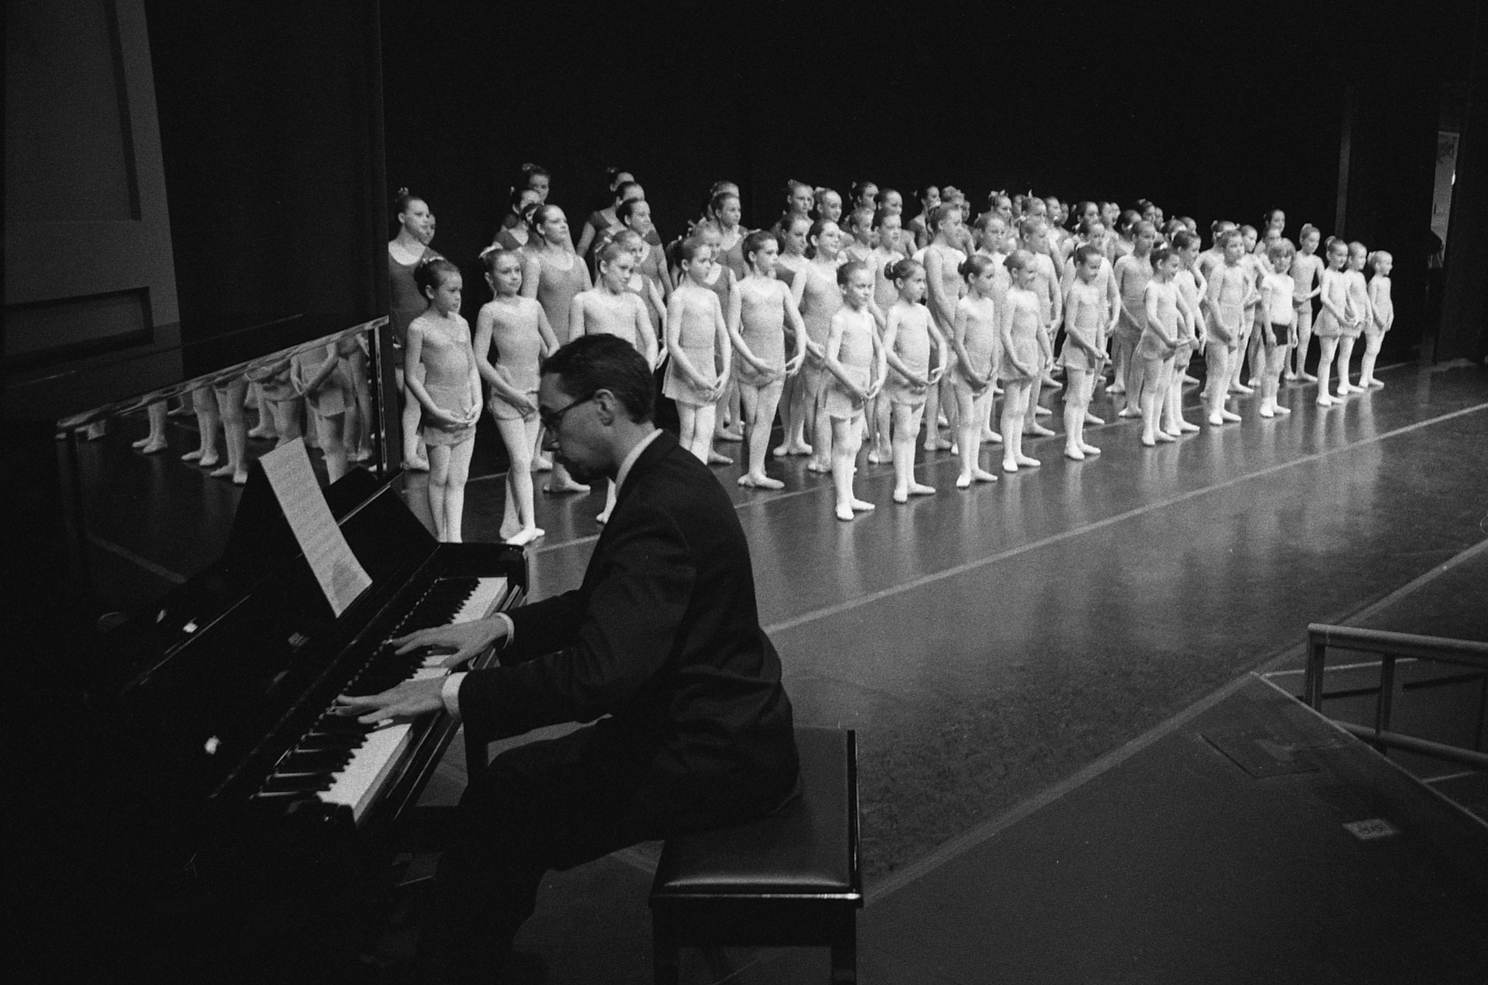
(592, 363)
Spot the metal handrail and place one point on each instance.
(1392, 647)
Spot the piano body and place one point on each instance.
(280, 819)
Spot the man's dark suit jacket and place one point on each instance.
(663, 636)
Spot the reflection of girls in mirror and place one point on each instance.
(155, 440)
(204, 405)
(229, 392)
(512, 336)
(357, 434)
(319, 375)
(405, 252)
(552, 275)
(441, 373)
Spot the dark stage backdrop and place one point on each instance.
(1211, 112)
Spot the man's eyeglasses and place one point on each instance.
(552, 418)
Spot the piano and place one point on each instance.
(231, 677)
(222, 692)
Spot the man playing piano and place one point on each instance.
(662, 637)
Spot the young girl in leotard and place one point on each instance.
(888, 249)
(1018, 327)
(512, 335)
(553, 276)
(1359, 314)
(919, 226)
(724, 213)
(1230, 287)
(1163, 306)
(1035, 232)
(1132, 272)
(1382, 315)
(697, 340)
(799, 201)
(1332, 315)
(728, 424)
(405, 252)
(1193, 287)
(601, 224)
(860, 227)
(909, 332)
(439, 364)
(942, 261)
(758, 313)
(818, 295)
(1257, 266)
(636, 216)
(974, 340)
(642, 286)
(854, 358)
(865, 196)
(891, 203)
(828, 205)
(1280, 324)
(1306, 268)
(515, 235)
(1087, 312)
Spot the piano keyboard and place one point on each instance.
(341, 760)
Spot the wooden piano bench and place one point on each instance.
(790, 879)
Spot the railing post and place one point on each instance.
(1317, 649)
(1384, 701)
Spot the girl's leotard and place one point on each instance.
(1024, 332)
(1133, 285)
(819, 302)
(408, 302)
(697, 344)
(640, 291)
(855, 354)
(453, 397)
(912, 346)
(1151, 345)
(1358, 302)
(1088, 315)
(516, 358)
(733, 258)
(1384, 308)
(762, 326)
(1189, 288)
(556, 288)
(1335, 289)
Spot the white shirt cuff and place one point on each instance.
(511, 630)
(449, 692)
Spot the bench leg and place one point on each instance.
(666, 955)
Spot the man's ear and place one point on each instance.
(606, 406)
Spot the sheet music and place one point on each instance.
(340, 574)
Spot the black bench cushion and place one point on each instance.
(806, 848)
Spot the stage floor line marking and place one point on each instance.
(960, 569)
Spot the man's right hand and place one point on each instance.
(469, 639)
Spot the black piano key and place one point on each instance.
(317, 741)
(314, 761)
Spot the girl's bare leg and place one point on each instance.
(1345, 356)
(1031, 411)
(1327, 348)
(286, 415)
(933, 440)
(155, 440)
(1074, 412)
(454, 488)
(1372, 342)
(520, 438)
(845, 443)
(439, 469)
(329, 429)
(235, 429)
(1152, 385)
(207, 419)
(1216, 391)
(702, 438)
(819, 426)
(359, 414)
(414, 456)
(758, 406)
(1304, 340)
(264, 429)
(1086, 390)
(971, 415)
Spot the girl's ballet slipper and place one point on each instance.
(542, 464)
(1148, 441)
(1089, 449)
(223, 472)
(1008, 467)
(207, 461)
(1093, 420)
(845, 512)
(1164, 438)
(862, 506)
(525, 536)
(1075, 454)
(1038, 431)
(1186, 427)
(1026, 462)
(192, 456)
(567, 487)
(153, 447)
(1281, 411)
(716, 459)
(1230, 416)
(1040, 410)
(982, 475)
(992, 437)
